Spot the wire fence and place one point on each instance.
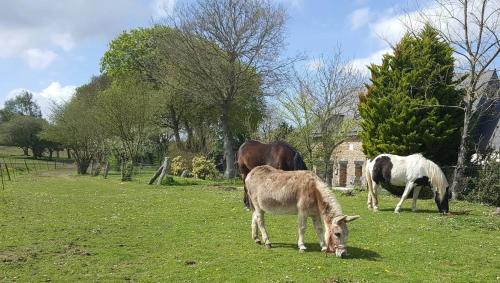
(10, 169)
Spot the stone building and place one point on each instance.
(349, 163)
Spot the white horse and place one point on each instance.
(412, 172)
(301, 193)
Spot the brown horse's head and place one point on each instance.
(337, 233)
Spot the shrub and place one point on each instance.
(203, 168)
(485, 188)
(178, 165)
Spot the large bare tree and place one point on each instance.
(473, 30)
(323, 105)
(225, 49)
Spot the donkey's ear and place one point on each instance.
(352, 218)
(339, 218)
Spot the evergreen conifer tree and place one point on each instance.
(405, 109)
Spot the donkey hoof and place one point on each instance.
(258, 242)
(268, 245)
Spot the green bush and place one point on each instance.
(178, 165)
(203, 168)
(485, 187)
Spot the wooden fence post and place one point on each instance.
(163, 171)
(27, 167)
(7, 169)
(1, 173)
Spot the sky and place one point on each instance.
(51, 47)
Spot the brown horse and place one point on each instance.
(279, 155)
(300, 193)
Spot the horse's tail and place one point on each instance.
(298, 162)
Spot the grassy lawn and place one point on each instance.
(64, 228)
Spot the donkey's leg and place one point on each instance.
(262, 228)
(416, 191)
(408, 188)
(302, 219)
(255, 234)
(318, 226)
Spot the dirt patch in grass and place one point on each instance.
(74, 249)
(17, 256)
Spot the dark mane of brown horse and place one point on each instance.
(279, 155)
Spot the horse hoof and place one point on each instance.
(258, 242)
(302, 251)
(375, 209)
(324, 249)
(396, 211)
(269, 245)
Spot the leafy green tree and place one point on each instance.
(22, 131)
(76, 125)
(22, 104)
(127, 111)
(406, 108)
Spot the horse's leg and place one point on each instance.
(318, 226)
(302, 219)
(369, 189)
(408, 188)
(255, 234)
(416, 191)
(375, 196)
(262, 227)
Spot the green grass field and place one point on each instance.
(62, 228)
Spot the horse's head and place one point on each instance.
(298, 162)
(337, 234)
(442, 202)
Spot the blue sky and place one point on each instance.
(50, 47)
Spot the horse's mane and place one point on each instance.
(327, 202)
(298, 161)
(436, 176)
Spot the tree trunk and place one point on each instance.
(458, 174)
(82, 167)
(190, 136)
(57, 154)
(106, 170)
(25, 151)
(69, 153)
(230, 171)
(51, 151)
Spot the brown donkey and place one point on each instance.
(300, 193)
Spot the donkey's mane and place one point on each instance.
(327, 202)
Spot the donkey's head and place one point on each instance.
(336, 234)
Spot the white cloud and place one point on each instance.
(55, 93)
(361, 64)
(38, 59)
(163, 8)
(359, 18)
(64, 40)
(36, 30)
